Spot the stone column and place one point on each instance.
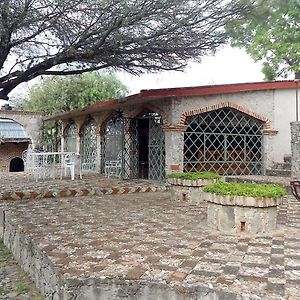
(98, 154)
(174, 145)
(268, 147)
(295, 147)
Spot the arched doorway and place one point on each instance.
(225, 141)
(139, 141)
(16, 165)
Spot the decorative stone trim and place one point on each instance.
(188, 182)
(175, 127)
(82, 192)
(151, 107)
(222, 105)
(268, 130)
(242, 200)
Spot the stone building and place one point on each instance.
(231, 129)
(18, 131)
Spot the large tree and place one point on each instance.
(271, 33)
(60, 37)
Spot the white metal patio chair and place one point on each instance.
(113, 167)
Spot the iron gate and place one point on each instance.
(88, 147)
(156, 148)
(224, 141)
(121, 136)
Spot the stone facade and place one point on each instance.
(271, 106)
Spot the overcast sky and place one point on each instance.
(229, 65)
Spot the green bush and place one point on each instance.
(246, 189)
(195, 175)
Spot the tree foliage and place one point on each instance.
(271, 33)
(60, 37)
(58, 94)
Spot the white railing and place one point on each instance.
(51, 165)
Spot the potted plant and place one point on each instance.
(188, 186)
(243, 207)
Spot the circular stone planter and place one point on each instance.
(238, 214)
(187, 190)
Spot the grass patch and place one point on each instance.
(246, 189)
(22, 288)
(3, 250)
(2, 291)
(195, 175)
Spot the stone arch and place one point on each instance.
(31, 121)
(150, 107)
(213, 107)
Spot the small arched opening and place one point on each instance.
(16, 165)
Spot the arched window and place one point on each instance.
(70, 138)
(88, 146)
(225, 140)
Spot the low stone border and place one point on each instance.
(32, 195)
(241, 214)
(188, 182)
(241, 200)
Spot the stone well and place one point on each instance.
(187, 190)
(241, 214)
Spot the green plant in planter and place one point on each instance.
(246, 189)
(195, 175)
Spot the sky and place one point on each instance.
(228, 65)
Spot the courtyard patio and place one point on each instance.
(144, 246)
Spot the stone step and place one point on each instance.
(282, 166)
(278, 172)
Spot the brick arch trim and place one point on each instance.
(86, 121)
(151, 107)
(67, 125)
(213, 107)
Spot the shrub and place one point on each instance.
(195, 175)
(246, 189)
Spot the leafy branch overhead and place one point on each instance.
(62, 37)
(271, 33)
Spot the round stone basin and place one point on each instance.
(241, 214)
(188, 190)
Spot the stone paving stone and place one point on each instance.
(151, 238)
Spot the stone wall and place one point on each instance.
(8, 151)
(295, 147)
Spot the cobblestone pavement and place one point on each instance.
(14, 283)
(149, 238)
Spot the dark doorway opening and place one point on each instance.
(16, 165)
(143, 148)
